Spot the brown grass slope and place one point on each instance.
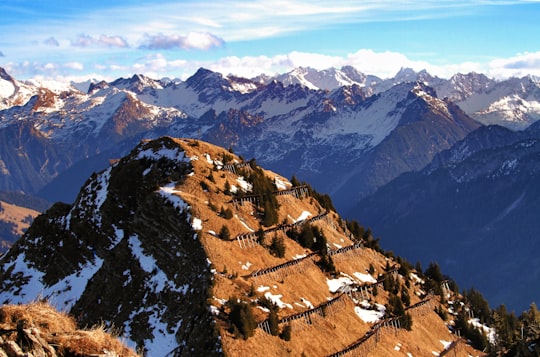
(37, 329)
(235, 262)
(20, 219)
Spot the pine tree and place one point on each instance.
(241, 318)
(273, 322)
(227, 188)
(224, 233)
(270, 213)
(260, 236)
(295, 182)
(286, 333)
(277, 247)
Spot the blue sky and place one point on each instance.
(75, 40)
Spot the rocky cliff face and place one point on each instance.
(123, 254)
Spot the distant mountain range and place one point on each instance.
(347, 133)
(343, 130)
(474, 209)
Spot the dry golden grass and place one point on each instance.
(91, 342)
(59, 329)
(233, 264)
(38, 314)
(16, 215)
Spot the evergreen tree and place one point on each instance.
(273, 322)
(224, 233)
(270, 213)
(277, 247)
(405, 297)
(241, 318)
(227, 188)
(406, 322)
(286, 333)
(295, 182)
(226, 213)
(260, 236)
(506, 325)
(356, 229)
(478, 304)
(434, 272)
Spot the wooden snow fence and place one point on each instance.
(251, 239)
(421, 308)
(368, 342)
(247, 240)
(253, 199)
(311, 317)
(279, 272)
(362, 292)
(232, 167)
(351, 251)
(363, 345)
(299, 192)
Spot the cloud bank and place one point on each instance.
(84, 40)
(193, 40)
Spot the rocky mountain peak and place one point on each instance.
(138, 83)
(5, 76)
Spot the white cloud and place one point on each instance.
(84, 40)
(518, 65)
(193, 40)
(74, 65)
(383, 64)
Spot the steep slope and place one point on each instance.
(426, 126)
(48, 131)
(188, 250)
(123, 255)
(14, 221)
(474, 209)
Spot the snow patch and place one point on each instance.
(490, 332)
(276, 299)
(306, 302)
(169, 192)
(196, 224)
(337, 284)
(62, 294)
(281, 183)
(175, 154)
(365, 278)
(369, 315)
(244, 185)
(7, 88)
(303, 216)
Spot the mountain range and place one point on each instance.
(474, 209)
(333, 121)
(347, 133)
